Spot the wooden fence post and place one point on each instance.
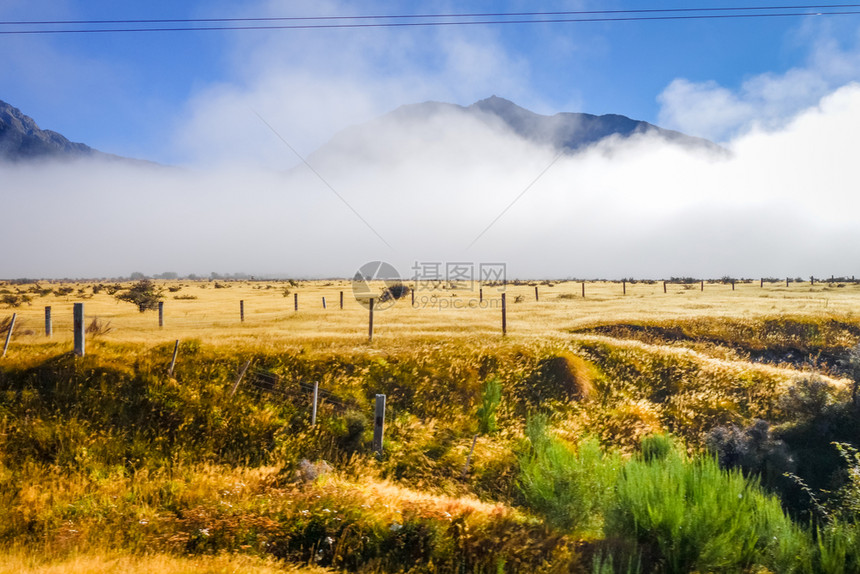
(79, 329)
(324, 303)
(664, 287)
(296, 301)
(161, 313)
(583, 289)
(536, 294)
(481, 295)
(242, 311)
(341, 299)
(173, 360)
(240, 377)
(703, 285)
(761, 284)
(314, 408)
(370, 323)
(9, 334)
(469, 458)
(379, 424)
(49, 325)
(786, 281)
(733, 285)
(624, 287)
(504, 316)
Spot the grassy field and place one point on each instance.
(538, 451)
(439, 315)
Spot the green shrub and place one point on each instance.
(145, 294)
(568, 486)
(490, 400)
(691, 516)
(656, 447)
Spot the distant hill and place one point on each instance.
(22, 140)
(574, 131)
(565, 132)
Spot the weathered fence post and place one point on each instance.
(79, 329)
(664, 287)
(786, 281)
(314, 408)
(504, 316)
(324, 303)
(379, 424)
(583, 289)
(242, 311)
(296, 301)
(173, 360)
(703, 285)
(161, 313)
(370, 323)
(761, 284)
(341, 299)
(536, 294)
(469, 458)
(624, 287)
(240, 377)
(481, 295)
(9, 334)
(812, 279)
(733, 285)
(49, 325)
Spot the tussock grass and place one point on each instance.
(107, 460)
(115, 563)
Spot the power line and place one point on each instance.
(353, 22)
(448, 15)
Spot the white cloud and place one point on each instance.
(310, 84)
(782, 203)
(765, 101)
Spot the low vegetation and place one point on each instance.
(668, 447)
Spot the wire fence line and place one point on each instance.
(265, 381)
(106, 317)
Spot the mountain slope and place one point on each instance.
(21, 139)
(574, 131)
(412, 127)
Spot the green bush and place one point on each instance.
(569, 486)
(145, 294)
(691, 516)
(656, 447)
(490, 400)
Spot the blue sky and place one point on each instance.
(135, 94)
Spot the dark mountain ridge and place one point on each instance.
(22, 140)
(566, 131)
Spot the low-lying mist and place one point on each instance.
(778, 203)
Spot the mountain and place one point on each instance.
(564, 132)
(22, 140)
(574, 131)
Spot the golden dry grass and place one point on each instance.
(444, 315)
(29, 563)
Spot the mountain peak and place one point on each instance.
(574, 131)
(21, 139)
